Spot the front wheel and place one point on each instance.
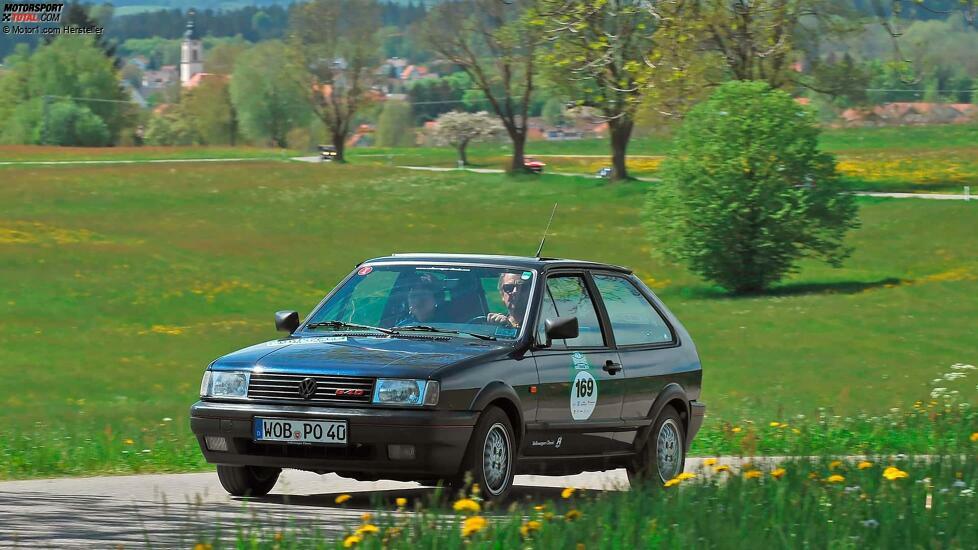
(247, 481)
(663, 456)
(492, 453)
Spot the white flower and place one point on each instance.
(962, 366)
(954, 375)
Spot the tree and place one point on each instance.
(337, 45)
(495, 43)
(268, 99)
(553, 112)
(844, 82)
(70, 124)
(458, 129)
(395, 126)
(746, 192)
(209, 110)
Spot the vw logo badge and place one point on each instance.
(307, 388)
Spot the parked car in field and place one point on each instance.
(604, 173)
(427, 366)
(327, 153)
(533, 165)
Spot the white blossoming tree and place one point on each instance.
(458, 129)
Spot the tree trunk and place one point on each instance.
(461, 152)
(519, 147)
(621, 131)
(340, 143)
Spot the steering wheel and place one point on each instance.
(478, 320)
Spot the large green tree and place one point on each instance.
(395, 126)
(746, 192)
(266, 96)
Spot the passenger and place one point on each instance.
(422, 305)
(515, 293)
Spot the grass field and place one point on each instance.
(31, 153)
(120, 283)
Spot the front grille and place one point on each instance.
(329, 389)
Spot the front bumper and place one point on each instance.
(440, 439)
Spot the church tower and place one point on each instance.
(191, 52)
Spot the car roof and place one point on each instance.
(495, 259)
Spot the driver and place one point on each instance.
(514, 291)
(422, 305)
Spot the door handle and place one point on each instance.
(611, 367)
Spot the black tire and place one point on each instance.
(491, 456)
(248, 481)
(664, 454)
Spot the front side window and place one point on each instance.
(633, 319)
(567, 296)
(484, 300)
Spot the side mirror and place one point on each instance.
(560, 328)
(286, 321)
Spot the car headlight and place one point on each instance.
(225, 384)
(389, 391)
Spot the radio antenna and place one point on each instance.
(544, 239)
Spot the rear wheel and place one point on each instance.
(491, 454)
(663, 456)
(248, 481)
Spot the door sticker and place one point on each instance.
(584, 388)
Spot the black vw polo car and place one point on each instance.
(427, 366)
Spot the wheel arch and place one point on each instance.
(502, 395)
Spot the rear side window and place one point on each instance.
(633, 319)
(567, 296)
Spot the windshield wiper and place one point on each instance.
(344, 324)
(427, 328)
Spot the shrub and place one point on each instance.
(746, 192)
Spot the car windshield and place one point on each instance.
(468, 299)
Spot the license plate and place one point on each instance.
(300, 431)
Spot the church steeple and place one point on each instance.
(191, 51)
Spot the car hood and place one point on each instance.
(358, 356)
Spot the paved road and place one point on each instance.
(168, 510)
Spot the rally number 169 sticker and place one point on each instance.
(584, 389)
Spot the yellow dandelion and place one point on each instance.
(571, 515)
(567, 493)
(475, 489)
(722, 468)
(671, 482)
(342, 498)
(539, 507)
(202, 546)
(466, 505)
(352, 540)
(367, 529)
(473, 525)
(401, 502)
(774, 424)
(685, 475)
(366, 517)
(548, 516)
(893, 473)
(835, 478)
(753, 474)
(529, 528)
(974, 437)
(778, 473)
(580, 546)
(835, 464)
(736, 429)
(128, 441)
(864, 464)
(709, 461)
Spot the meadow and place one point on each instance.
(121, 282)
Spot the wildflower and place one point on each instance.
(278, 536)
(167, 419)
(685, 475)
(753, 474)
(835, 478)
(548, 516)
(475, 489)
(366, 517)
(864, 465)
(466, 505)
(721, 468)
(202, 546)
(871, 523)
(352, 540)
(529, 527)
(777, 473)
(893, 473)
(580, 546)
(401, 502)
(367, 529)
(571, 515)
(736, 429)
(538, 507)
(128, 441)
(567, 493)
(974, 437)
(671, 482)
(342, 498)
(812, 475)
(709, 462)
(835, 464)
(774, 424)
(473, 525)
